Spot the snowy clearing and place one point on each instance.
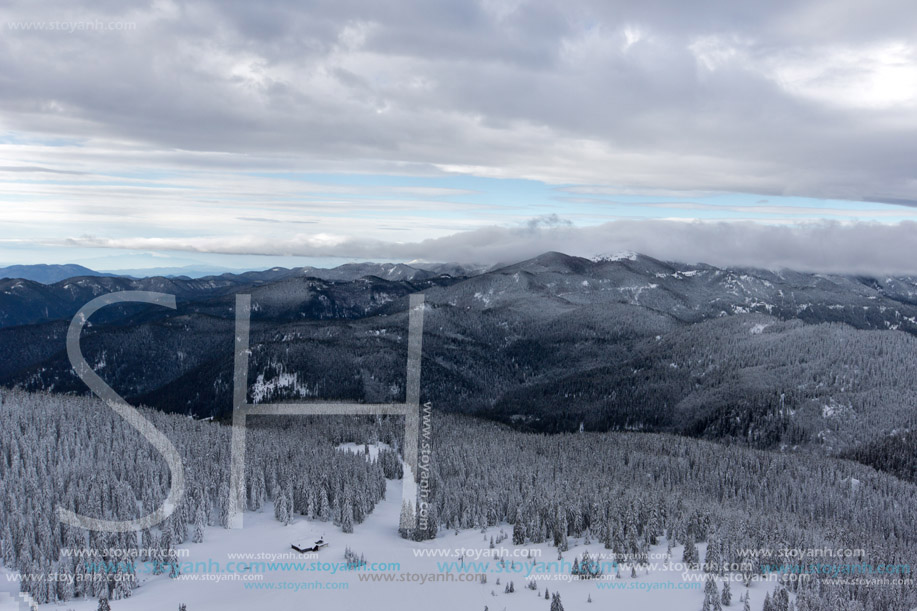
(292, 581)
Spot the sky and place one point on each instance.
(247, 135)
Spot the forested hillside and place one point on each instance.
(627, 490)
(76, 453)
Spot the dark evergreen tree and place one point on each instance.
(690, 555)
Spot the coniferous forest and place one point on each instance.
(625, 489)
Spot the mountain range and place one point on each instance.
(772, 359)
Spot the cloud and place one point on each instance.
(188, 131)
(35, 169)
(899, 201)
(855, 248)
(256, 219)
(547, 221)
(807, 98)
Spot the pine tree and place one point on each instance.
(336, 509)
(427, 531)
(560, 531)
(200, 522)
(259, 491)
(281, 511)
(589, 568)
(65, 588)
(347, 521)
(712, 557)
(556, 605)
(781, 600)
(711, 593)
(406, 521)
(518, 532)
(324, 507)
(103, 604)
(690, 555)
(727, 594)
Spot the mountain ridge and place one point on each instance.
(48, 273)
(769, 359)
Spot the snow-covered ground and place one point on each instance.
(359, 448)
(307, 586)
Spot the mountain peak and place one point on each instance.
(551, 261)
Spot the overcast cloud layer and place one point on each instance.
(813, 98)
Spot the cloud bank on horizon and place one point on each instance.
(845, 248)
(406, 129)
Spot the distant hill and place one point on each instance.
(51, 274)
(188, 271)
(48, 274)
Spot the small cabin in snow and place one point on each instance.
(305, 547)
